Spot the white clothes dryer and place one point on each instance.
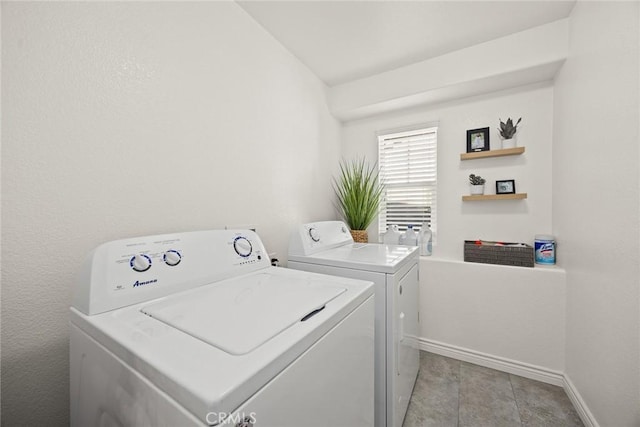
(194, 329)
(327, 247)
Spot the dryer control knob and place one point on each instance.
(242, 246)
(172, 257)
(140, 262)
(313, 233)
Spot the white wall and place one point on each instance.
(125, 119)
(595, 207)
(513, 314)
(516, 220)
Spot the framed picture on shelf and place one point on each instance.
(507, 186)
(477, 140)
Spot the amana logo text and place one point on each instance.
(139, 283)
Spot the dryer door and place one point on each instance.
(406, 355)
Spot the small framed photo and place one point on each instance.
(477, 140)
(507, 186)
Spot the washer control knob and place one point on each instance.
(313, 233)
(140, 262)
(242, 246)
(172, 257)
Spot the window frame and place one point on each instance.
(429, 168)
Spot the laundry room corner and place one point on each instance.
(508, 318)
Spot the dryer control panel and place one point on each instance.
(130, 271)
(319, 236)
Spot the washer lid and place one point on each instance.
(259, 307)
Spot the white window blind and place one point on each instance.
(408, 171)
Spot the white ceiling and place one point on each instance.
(341, 41)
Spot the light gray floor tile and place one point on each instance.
(435, 397)
(541, 404)
(486, 398)
(450, 393)
(440, 366)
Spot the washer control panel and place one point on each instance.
(149, 256)
(124, 272)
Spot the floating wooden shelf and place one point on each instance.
(492, 153)
(494, 197)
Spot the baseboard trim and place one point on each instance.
(581, 407)
(526, 370)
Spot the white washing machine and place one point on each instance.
(194, 329)
(327, 247)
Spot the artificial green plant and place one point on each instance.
(358, 192)
(476, 180)
(508, 130)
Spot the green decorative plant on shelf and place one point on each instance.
(358, 192)
(477, 184)
(508, 130)
(476, 180)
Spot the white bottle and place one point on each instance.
(402, 239)
(410, 237)
(392, 236)
(425, 240)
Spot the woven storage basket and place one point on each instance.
(489, 253)
(360, 236)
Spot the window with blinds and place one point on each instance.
(408, 171)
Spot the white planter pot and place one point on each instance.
(509, 143)
(477, 189)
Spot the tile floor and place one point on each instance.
(449, 392)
